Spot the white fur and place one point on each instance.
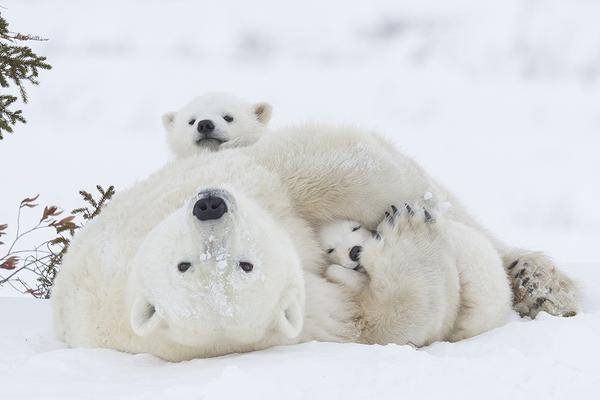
(123, 266)
(339, 172)
(288, 185)
(249, 123)
(442, 280)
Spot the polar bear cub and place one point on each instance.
(415, 268)
(343, 242)
(215, 121)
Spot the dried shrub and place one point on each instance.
(44, 260)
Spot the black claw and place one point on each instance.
(394, 210)
(428, 217)
(513, 264)
(409, 209)
(520, 273)
(389, 218)
(525, 282)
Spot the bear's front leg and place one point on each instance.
(539, 286)
(412, 296)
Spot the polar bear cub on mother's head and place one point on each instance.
(215, 121)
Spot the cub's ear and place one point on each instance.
(143, 317)
(291, 317)
(263, 112)
(168, 120)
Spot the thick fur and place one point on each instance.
(120, 287)
(298, 180)
(339, 172)
(440, 280)
(236, 122)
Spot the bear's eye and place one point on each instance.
(184, 266)
(329, 251)
(192, 121)
(356, 228)
(246, 266)
(228, 118)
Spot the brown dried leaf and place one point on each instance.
(65, 221)
(3, 227)
(10, 263)
(51, 211)
(28, 200)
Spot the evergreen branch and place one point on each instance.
(19, 65)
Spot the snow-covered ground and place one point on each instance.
(549, 358)
(500, 100)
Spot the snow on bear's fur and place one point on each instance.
(215, 121)
(149, 275)
(122, 287)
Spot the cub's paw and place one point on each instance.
(538, 285)
(355, 280)
(405, 219)
(407, 237)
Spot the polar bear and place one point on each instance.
(215, 121)
(449, 299)
(354, 175)
(143, 277)
(206, 257)
(343, 241)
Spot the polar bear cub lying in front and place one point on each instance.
(419, 268)
(215, 121)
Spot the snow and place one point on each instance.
(499, 100)
(549, 358)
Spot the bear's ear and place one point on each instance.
(143, 318)
(291, 317)
(168, 120)
(263, 112)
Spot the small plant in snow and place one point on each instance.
(43, 260)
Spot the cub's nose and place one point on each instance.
(206, 126)
(209, 207)
(355, 253)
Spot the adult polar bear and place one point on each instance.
(125, 285)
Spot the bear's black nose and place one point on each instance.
(206, 126)
(209, 207)
(355, 253)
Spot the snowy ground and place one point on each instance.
(500, 100)
(549, 358)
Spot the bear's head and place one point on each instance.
(219, 274)
(343, 241)
(214, 121)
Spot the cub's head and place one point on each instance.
(220, 274)
(342, 242)
(214, 121)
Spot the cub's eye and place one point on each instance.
(329, 251)
(184, 266)
(246, 266)
(192, 121)
(356, 228)
(228, 118)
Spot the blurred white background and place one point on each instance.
(500, 100)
